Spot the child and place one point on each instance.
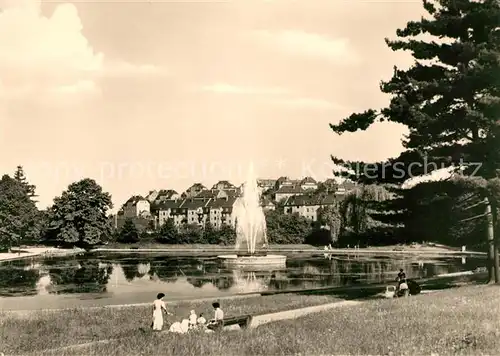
(201, 320)
(192, 319)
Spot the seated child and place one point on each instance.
(192, 319)
(201, 320)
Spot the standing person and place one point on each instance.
(158, 308)
(401, 275)
(402, 285)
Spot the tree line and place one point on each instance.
(80, 217)
(76, 218)
(369, 215)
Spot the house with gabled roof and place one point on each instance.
(221, 211)
(151, 196)
(170, 209)
(193, 190)
(308, 183)
(307, 205)
(205, 195)
(136, 206)
(195, 211)
(283, 181)
(166, 194)
(286, 191)
(266, 184)
(267, 204)
(224, 185)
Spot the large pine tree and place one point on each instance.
(449, 100)
(450, 97)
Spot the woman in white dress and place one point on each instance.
(158, 308)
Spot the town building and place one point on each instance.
(166, 194)
(307, 205)
(221, 211)
(170, 209)
(308, 183)
(193, 190)
(267, 204)
(195, 211)
(286, 191)
(285, 182)
(136, 206)
(266, 184)
(226, 186)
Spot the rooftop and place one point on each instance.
(205, 194)
(222, 203)
(169, 204)
(308, 180)
(312, 200)
(192, 204)
(289, 190)
(134, 200)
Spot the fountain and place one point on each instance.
(251, 238)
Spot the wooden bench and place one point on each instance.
(243, 321)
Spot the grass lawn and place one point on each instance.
(459, 321)
(40, 330)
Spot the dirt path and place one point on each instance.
(297, 313)
(37, 251)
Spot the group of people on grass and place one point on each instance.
(193, 322)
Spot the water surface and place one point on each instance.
(102, 279)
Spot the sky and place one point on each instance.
(150, 95)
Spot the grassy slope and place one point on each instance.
(41, 330)
(456, 321)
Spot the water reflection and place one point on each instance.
(19, 277)
(201, 276)
(79, 275)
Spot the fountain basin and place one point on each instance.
(276, 261)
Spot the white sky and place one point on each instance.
(151, 95)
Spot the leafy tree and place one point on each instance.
(210, 234)
(20, 177)
(190, 234)
(168, 232)
(328, 186)
(78, 216)
(286, 228)
(128, 232)
(330, 218)
(80, 276)
(18, 277)
(226, 235)
(18, 214)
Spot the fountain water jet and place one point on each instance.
(250, 222)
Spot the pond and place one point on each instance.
(102, 279)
